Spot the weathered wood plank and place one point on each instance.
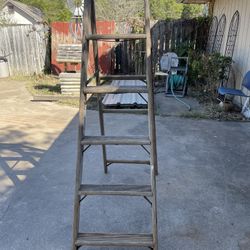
(26, 48)
(120, 111)
(82, 122)
(123, 77)
(69, 53)
(151, 122)
(115, 140)
(115, 240)
(144, 162)
(115, 89)
(116, 37)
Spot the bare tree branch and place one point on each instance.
(119, 10)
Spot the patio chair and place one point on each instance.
(236, 92)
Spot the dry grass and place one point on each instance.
(42, 84)
(212, 110)
(46, 85)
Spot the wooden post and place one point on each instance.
(151, 122)
(81, 128)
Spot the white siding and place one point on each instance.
(242, 49)
(17, 17)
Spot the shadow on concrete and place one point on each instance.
(16, 161)
(203, 200)
(35, 183)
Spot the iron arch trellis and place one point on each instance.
(212, 33)
(232, 34)
(231, 41)
(219, 34)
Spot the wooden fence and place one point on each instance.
(25, 47)
(60, 34)
(28, 47)
(175, 36)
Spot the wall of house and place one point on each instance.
(17, 17)
(242, 49)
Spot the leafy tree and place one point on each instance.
(124, 10)
(166, 9)
(78, 3)
(119, 10)
(54, 10)
(192, 10)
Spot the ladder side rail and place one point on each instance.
(151, 123)
(149, 76)
(98, 83)
(81, 126)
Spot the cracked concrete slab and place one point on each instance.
(203, 185)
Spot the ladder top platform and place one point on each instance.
(115, 89)
(116, 37)
(123, 77)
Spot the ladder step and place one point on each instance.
(123, 77)
(115, 140)
(145, 162)
(116, 37)
(115, 89)
(115, 240)
(133, 111)
(127, 190)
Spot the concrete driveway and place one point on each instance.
(203, 186)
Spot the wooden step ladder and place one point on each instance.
(84, 142)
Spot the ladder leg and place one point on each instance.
(104, 150)
(81, 128)
(154, 148)
(151, 122)
(96, 60)
(79, 169)
(154, 209)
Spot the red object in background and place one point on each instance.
(61, 35)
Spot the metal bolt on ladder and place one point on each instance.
(84, 142)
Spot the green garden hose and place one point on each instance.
(176, 81)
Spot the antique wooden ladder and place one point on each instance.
(84, 142)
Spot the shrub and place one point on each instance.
(207, 72)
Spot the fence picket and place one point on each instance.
(26, 46)
(166, 36)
